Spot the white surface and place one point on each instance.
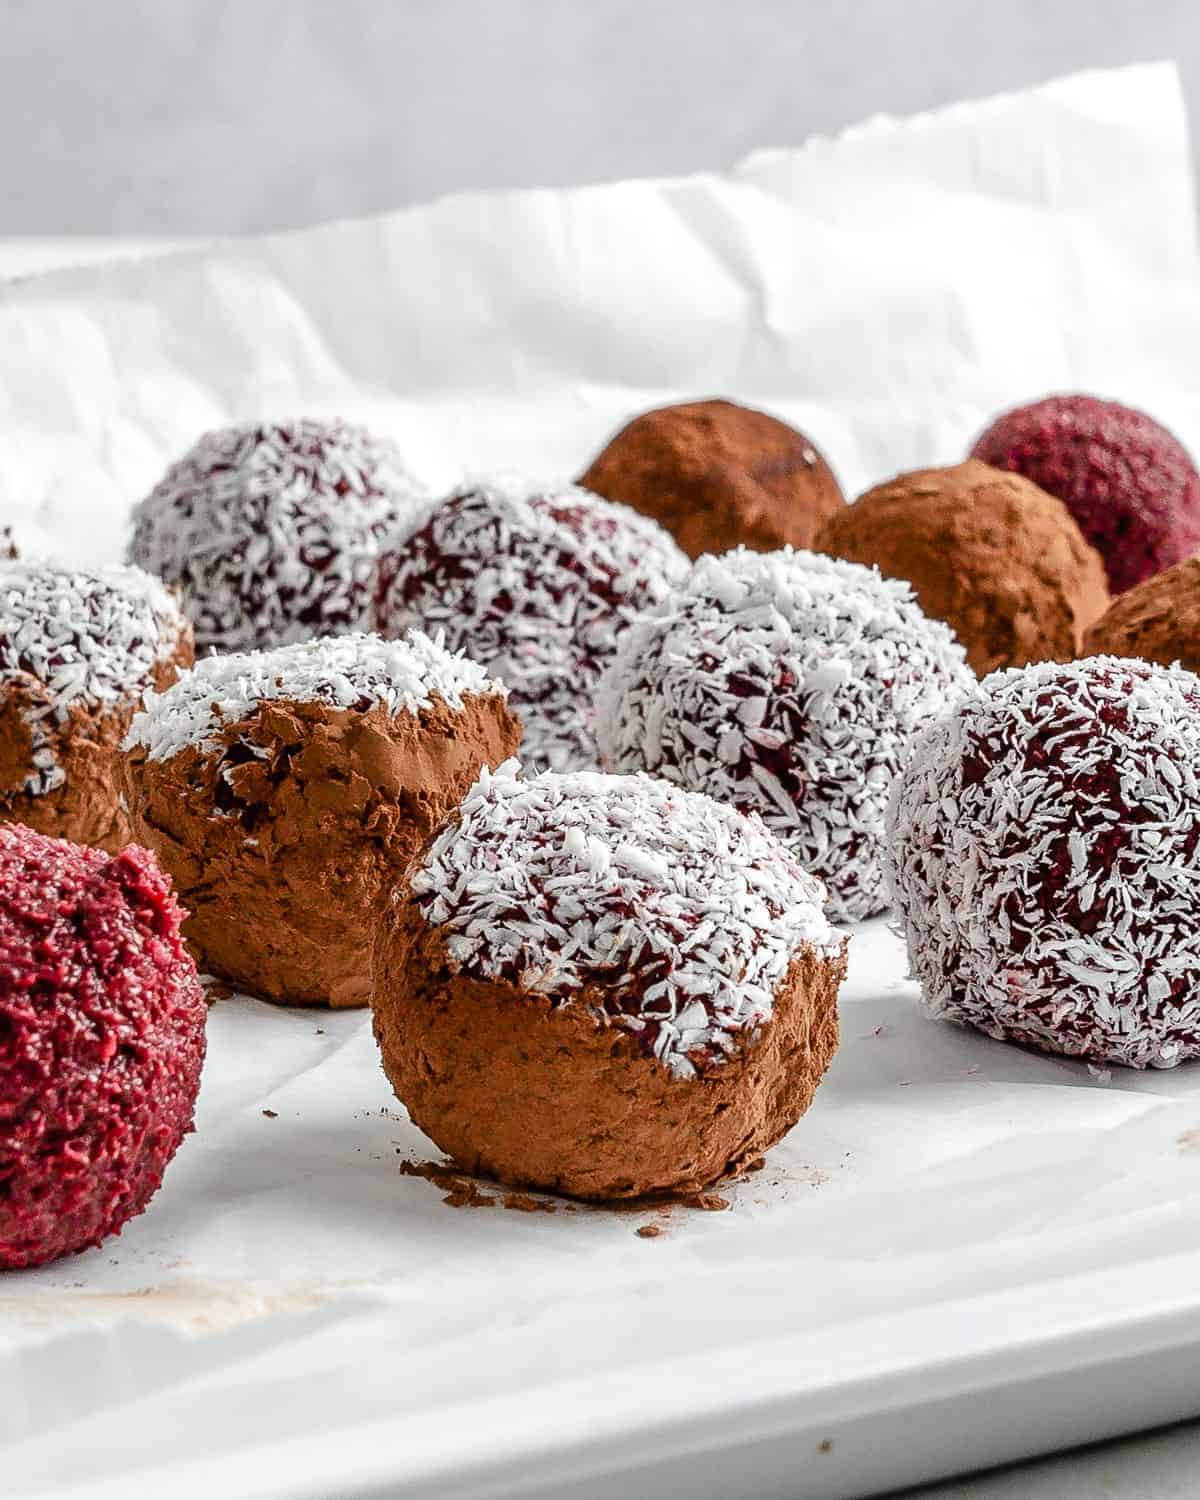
(955, 1221)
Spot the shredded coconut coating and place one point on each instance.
(537, 584)
(93, 639)
(1045, 854)
(684, 912)
(271, 532)
(345, 671)
(789, 685)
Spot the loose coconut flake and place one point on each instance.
(1045, 854)
(537, 583)
(346, 671)
(271, 532)
(789, 685)
(685, 914)
(92, 638)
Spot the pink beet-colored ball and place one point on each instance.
(1129, 483)
(101, 1041)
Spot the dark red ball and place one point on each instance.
(101, 1041)
(1128, 482)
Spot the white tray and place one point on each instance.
(956, 1258)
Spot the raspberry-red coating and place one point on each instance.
(1129, 483)
(101, 1042)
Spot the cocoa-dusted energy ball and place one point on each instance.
(789, 685)
(280, 788)
(718, 475)
(1045, 852)
(1129, 483)
(1158, 620)
(78, 648)
(997, 558)
(270, 532)
(101, 1042)
(604, 986)
(536, 583)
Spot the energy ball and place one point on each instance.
(788, 685)
(1128, 481)
(270, 533)
(536, 584)
(718, 475)
(990, 553)
(281, 788)
(78, 648)
(1045, 854)
(1158, 620)
(102, 1027)
(605, 986)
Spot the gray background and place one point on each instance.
(191, 117)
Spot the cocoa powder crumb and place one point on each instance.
(649, 1231)
(463, 1191)
(271, 1114)
(522, 1203)
(709, 1202)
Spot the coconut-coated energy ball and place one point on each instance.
(270, 531)
(718, 475)
(788, 685)
(1129, 483)
(998, 559)
(101, 1042)
(1045, 855)
(605, 986)
(536, 583)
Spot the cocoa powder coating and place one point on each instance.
(997, 558)
(547, 1096)
(718, 475)
(1158, 620)
(280, 836)
(86, 807)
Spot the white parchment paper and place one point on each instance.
(888, 291)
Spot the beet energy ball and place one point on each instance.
(1128, 482)
(101, 1042)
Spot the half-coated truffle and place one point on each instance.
(282, 788)
(605, 986)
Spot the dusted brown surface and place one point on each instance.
(279, 856)
(998, 559)
(718, 476)
(552, 1099)
(85, 809)
(1159, 620)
